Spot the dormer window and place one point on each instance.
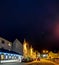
(3, 41)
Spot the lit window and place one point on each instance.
(12, 57)
(47, 51)
(6, 57)
(43, 51)
(15, 57)
(9, 57)
(2, 57)
(9, 44)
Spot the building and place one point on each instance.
(5, 44)
(9, 56)
(17, 47)
(53, 55)
(10, 52)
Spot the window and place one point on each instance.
(2, 57)
(9, 44)
(3, 41)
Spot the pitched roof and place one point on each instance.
(6, 51)
(17, 41)
(4, 39)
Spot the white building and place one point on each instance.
(17, 47)
(10, 51)
(5, 44)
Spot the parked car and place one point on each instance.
(24, 60)
(27, 59)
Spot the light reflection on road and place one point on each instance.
(41, 64)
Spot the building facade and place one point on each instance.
(10, 52)
(5, 44)
(17, 47)
(9, 56)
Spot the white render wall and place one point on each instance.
(17, 46)
(5, 45)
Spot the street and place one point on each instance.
(35, 63)
(13, 63)
(42, 62)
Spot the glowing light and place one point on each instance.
(8, 53)
(6, 57)
(47, 51)
(2, 57)
(43, 51)
(25, 49)
(44, 55)
(9, 44)
(31, 50)
(56, 31)
(9, 56)
(25, 46)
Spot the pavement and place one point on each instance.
(41, 62)
(12, 63)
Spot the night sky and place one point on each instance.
(35, 20)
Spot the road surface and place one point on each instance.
(42, 62)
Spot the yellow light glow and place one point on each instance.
(9, 44)
(47, 51)
(25, 46)
(31, 50)
(25, 49)
(2, 57)
(43, 51)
